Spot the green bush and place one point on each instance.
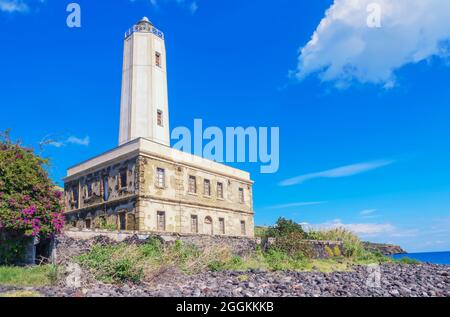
(261, 232)
(284, 227)
(280, 261)
(134, 263)
(329, 252)
(336, 251)
(121, 263)
(294, 245)
(30, 205)
(352, 245)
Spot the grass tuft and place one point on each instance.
(20, 294)
(25, 276)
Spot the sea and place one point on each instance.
(428, 257)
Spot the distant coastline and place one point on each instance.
(383, 248)
(442, 258)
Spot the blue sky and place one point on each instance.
(363, 112)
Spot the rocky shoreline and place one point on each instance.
(393, 280)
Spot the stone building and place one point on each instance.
(144, 184)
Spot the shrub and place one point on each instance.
(352, 245)
(261, 232)
(120, 263)
(284, 227)
(336, 251)
(294, 245)
(329, 252)
(133, 263)
(29, 203)
(280, 261)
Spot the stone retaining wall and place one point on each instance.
(239, 245)
(317, 249)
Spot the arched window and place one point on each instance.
(208, 227)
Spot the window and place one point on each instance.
(208, 227)
(192, 184)
(243, 232)
(241, 195)
(160, 177)
(122, 221)
(158, 59)
(88, 223)
(123, 179)
(207, 187)
(159, 118)
(161, 221)
(89, 189)
(74, 198)
(222, 225)
(220, 190)
(101, 223)
(105, 188)
(74, 194)
(194, 224)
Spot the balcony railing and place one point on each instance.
(144, 28)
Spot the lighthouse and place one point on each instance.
(144, 109)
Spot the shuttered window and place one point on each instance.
(192, 184)
(241, 195)
(161, 219)
(207, 187)
(220, 190)
(243, 230)
(222, 225)
(194, 224)
(160, 177)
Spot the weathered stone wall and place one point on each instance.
(105, 180)
(314, 248)
(177, 185)
(179, 204)
(97, 199)
(239, 245)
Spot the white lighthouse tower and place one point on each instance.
(144, 109)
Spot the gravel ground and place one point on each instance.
(390, 280)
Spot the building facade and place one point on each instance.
(143, 184)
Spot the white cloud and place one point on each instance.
(360, 229)
(296, 204)
(344, 48)
(343, 171)
(70, 140)
(367, 212)
(11, 6)
(74, 140)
